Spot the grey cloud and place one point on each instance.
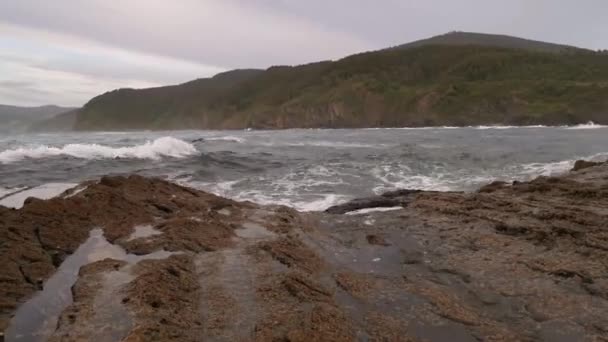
(153, 42)
(222, 33)
(393, 22)
(15, 84)
(260, 33)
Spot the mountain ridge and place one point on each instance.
(487, 39)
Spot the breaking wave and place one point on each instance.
(161, 147)
(330, 144)
(400, 176)
(588, 125)
(229, 138)
(555, 168)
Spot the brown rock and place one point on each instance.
(584, 164)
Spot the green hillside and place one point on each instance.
(420, 85)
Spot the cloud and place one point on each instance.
(72, 50)
(77, 49)
(218, 32)
(64, 70)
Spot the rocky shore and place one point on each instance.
(139, 259)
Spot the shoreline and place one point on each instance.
(585, 125)
(510, 261)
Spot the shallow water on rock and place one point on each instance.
(36, 319)
(372, 210)
(46, 191)
(252, 230)
(144, 232)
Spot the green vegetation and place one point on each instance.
(430, 83)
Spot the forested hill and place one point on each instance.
(423, 84)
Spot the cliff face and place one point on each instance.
(432, 83)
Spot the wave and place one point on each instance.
(161, 147)
(226, 138)
(588, 125)
(506, 127)
(320, 203)
(546, 169)
(334, 144)
(463, 127)
(400, 176)
(558, 167)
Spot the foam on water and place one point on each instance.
(161, 147)
(508, 127)
(330, 144)
(7, 191)
(588, 125)
(371, 210)
(316, 202)
(229, 138)
(400, 176)
(553, 168)
(307, 169)
(45, 191)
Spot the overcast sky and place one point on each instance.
(67, 51)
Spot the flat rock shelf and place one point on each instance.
(143, 259)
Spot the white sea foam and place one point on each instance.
(317, 202)
(45, 191)
(547, 169)
(322, 143)
(372, 210)
(461, 127)
(322, 203)
(6, 191)
(588, 125)
(509, 127)
(227, 138)
(558, 167)
(161, 147)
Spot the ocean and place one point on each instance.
(307, 169)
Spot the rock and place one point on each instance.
(493, 186)
(386, 200)
(584, 164)
(362, 203)
(442, 266)
(374, 239)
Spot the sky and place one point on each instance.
(65, 52)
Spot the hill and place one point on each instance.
(440, 81)
(14, 119)
(494, 40)
(58, 123)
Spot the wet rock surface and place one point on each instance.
(526, 261)
(386, 200)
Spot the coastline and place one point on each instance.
(520, 261)
(582, 125)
